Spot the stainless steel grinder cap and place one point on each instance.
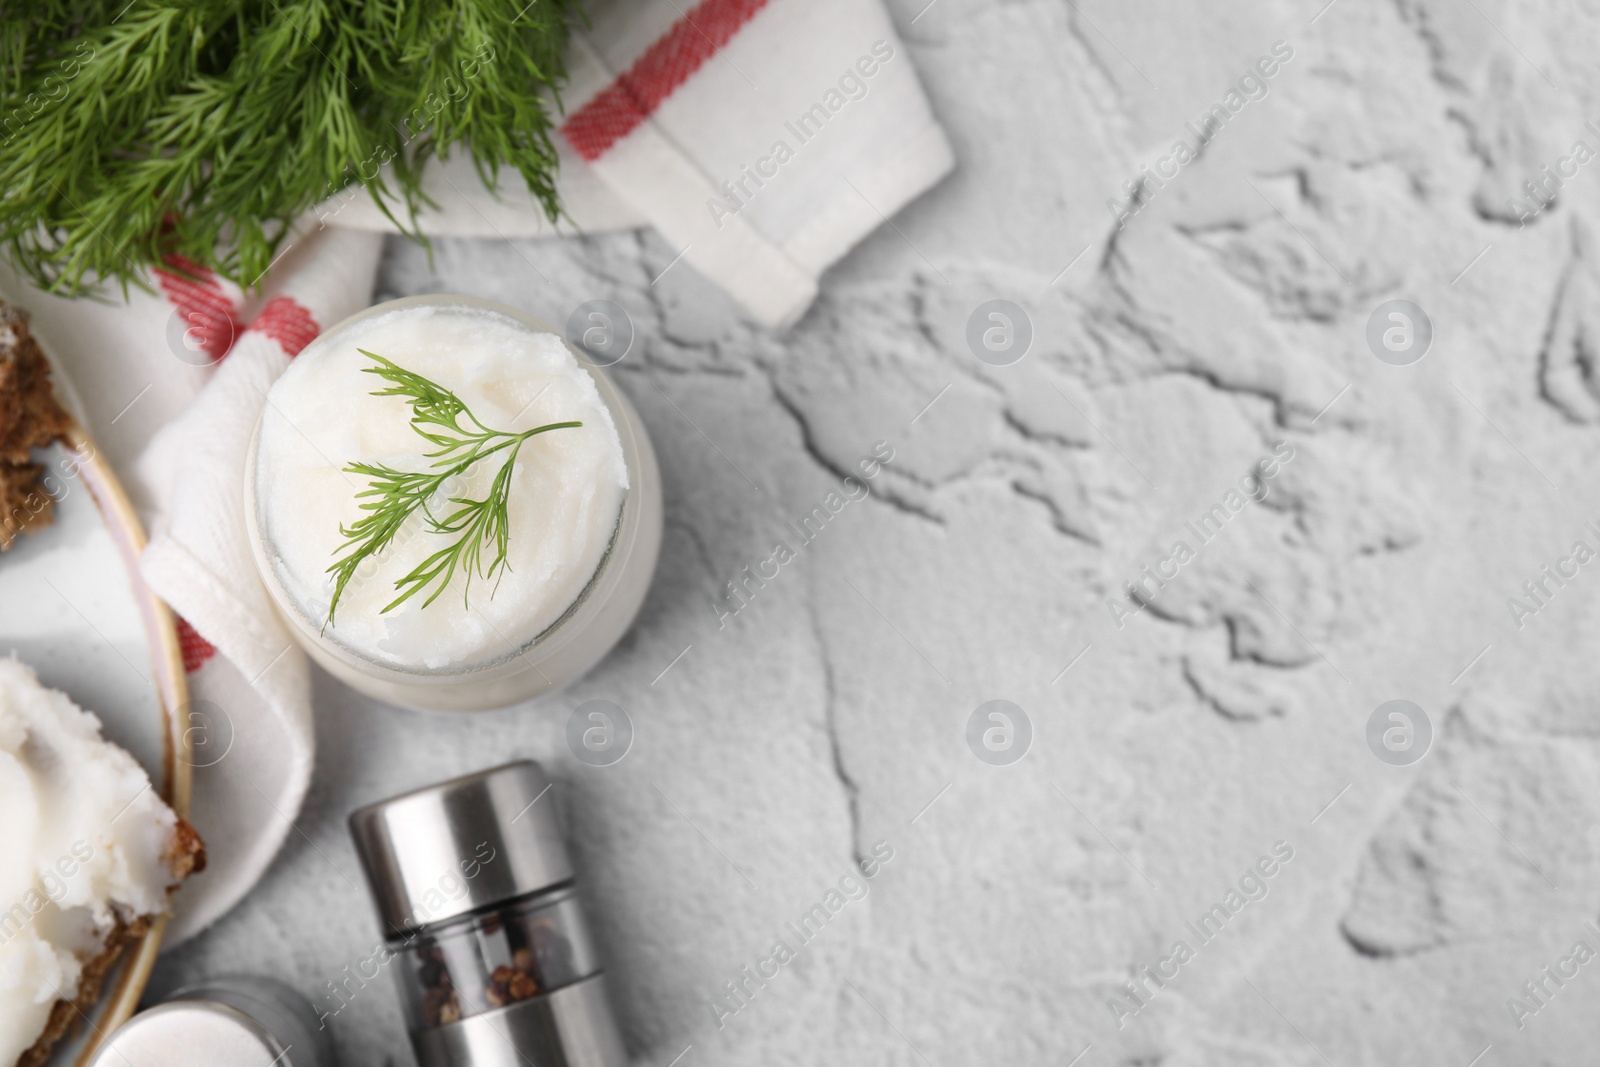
(424, 851)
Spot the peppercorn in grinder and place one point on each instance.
(492, 954)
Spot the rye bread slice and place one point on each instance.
(30, 418)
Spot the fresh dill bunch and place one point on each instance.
(393, 496)
(130, 132)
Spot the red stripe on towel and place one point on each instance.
(211, 323)
(665, 65)
(287, 323)
(195, 649)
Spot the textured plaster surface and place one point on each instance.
(778, 746)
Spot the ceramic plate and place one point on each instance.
(73, 607)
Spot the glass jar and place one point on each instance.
(231, 1019)
(506, 956)
(493, 955)
(565, 649)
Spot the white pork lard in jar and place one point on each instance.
(448, 507)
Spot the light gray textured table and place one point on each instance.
(1174, 747)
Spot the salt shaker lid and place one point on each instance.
(450, 849)
(192, 1033)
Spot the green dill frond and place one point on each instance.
(130, 132)
(393, 496)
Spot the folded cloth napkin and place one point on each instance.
(172, 384)
(763, 138)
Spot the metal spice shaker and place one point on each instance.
(493, 956)
(236, 1019)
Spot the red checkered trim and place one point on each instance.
(665, 65)
(195, 649)
(287, 323)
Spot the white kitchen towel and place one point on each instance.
(172, 383)
(762, 138)
(250, 687)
